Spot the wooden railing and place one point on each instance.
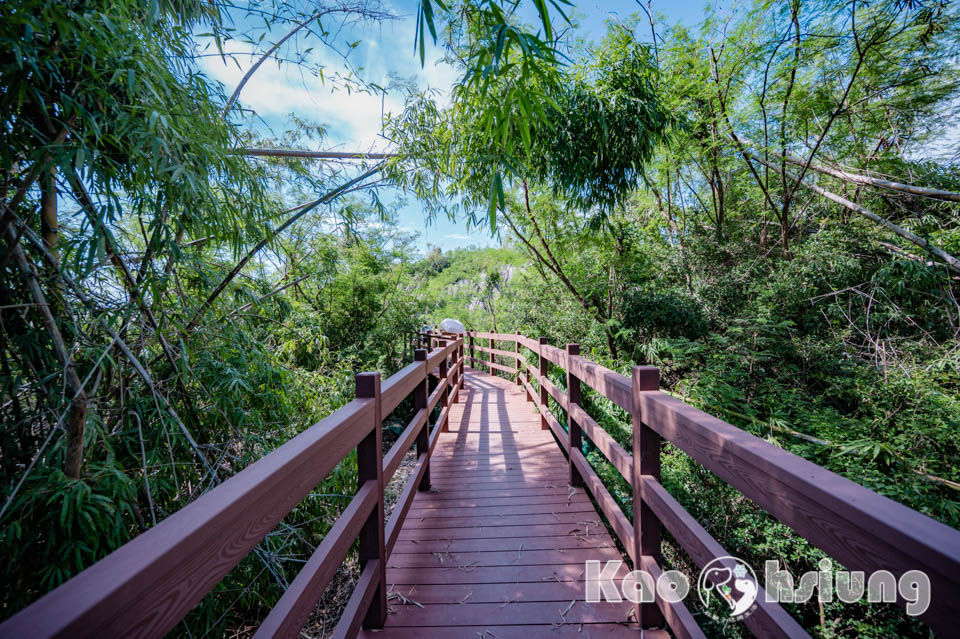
(147, 586)
(862, 530)
(144, 588)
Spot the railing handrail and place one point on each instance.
(145, 587)
(861, 529)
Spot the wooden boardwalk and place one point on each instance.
(497, 547)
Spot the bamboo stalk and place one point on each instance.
(866, 180)
(950, 261)
(317, 155)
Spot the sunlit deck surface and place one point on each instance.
(497, 547)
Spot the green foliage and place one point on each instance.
(610, 119)
(760, 302)
(584, 132)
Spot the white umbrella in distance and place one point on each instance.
(452, 326)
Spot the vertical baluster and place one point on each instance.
(516, 362)
(473, 354)
(646, 461)
(455, 364)
(543, 391)
(526, 372)
(370, 468)
(462, 364)
(492, 359)
(573, 428)
(445, 389)
(420, 394)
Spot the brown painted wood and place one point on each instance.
(574, 437)
(552, 354)
(859, 528)
(608, 383)
(444, 386)
(493, 365)
(392, 459)
(399, 385)
(613, 451)
(501, 510)
(422, 402)
(554, 391)
(496, 351)
(571, 517)
(567, 631)
(769, 619)
(525, 557)
(363, 596)
(509, 499)
(520, 612)
(437, 393)
(144, 588)
(370, 541)
(287, 617)
(511, 544)
(523, 490)
(555, 427)
(615, 517)
(572, 572)
(646, 461)
(679, 619)
(528, 343)
(530, 392)
(404, 501)
(490, 593)
(502, 521)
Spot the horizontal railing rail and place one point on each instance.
(147, 586)
(859, 528)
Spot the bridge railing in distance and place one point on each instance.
(857, 527)
(146, 587)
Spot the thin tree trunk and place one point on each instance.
(76, 422)
(49, 227)
(949, 260)
(266, 56)
(270, 236)
(865, 180)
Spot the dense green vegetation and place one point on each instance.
(171, 311)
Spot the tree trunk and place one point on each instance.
(785, 233)
(77, 418)
(49, 227)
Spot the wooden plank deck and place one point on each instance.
(497, 548)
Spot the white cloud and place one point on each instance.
(354, 118)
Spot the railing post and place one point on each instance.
(462, 364)
(444, 394)
(526, 372)
(420, 395)
(516, 362)
(646, 461)
(473, 354)
(543, 391)
(573, 428)
(370, 468)
(457, 372)
(492, 346)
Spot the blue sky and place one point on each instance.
(354, 119)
